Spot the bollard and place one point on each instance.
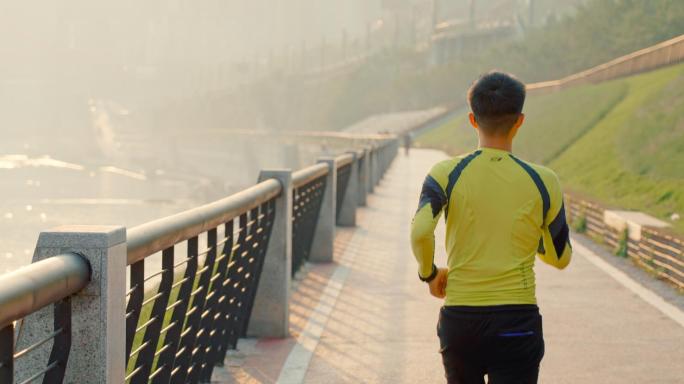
(98, 311)
(271, 311)
(350, 200)
(324, 236)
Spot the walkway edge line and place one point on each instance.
(297, 363)
(644, 293)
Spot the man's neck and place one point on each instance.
(500, 143)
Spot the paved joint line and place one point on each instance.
(644, 293)
(297, 362)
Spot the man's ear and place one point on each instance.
(516, 126)
(473, 121)
(521, 120)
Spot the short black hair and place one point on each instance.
(496, 100)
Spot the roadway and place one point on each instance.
(367, 319)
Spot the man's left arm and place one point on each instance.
(556, 232)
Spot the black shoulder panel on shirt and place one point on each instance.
(432, 194)
(546, 200)
(454, 176)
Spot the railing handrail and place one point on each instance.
(296, 134)
(308, 174)
(627, 57)
(343, 160)
(154, 236)
(32, 287)
(605, 66)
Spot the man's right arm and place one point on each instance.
(430, 207)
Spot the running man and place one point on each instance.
(407, 143)
(500, 212)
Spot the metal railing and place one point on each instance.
(25, 292)
(181, 318)
(169, 298)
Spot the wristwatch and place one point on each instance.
(432, 276)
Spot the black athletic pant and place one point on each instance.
(505, 342)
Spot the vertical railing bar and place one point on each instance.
(7, 354)
(185, 340)
(217, 315)
(248, 268)
(145, 358)
(193, 322)
(134, 306)
(172, 337)
(296, 229)
(209, 302)
(234, 314)
(252, 268)
(224, 322)
(62, 342)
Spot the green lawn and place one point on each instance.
(634, 157)
(621, 142)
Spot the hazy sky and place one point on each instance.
(58, 54)
(37, 33)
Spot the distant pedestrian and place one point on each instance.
(500, 212)
(407, 142)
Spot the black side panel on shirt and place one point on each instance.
(560, 232)
(543, 192)
(546, 199)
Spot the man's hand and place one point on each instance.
(438, 284)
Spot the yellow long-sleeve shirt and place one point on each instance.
(500, 212)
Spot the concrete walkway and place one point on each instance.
(367, 318)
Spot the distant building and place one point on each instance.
(468, 26)
(455, 38)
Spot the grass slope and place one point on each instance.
(634, 157)
(621, 142)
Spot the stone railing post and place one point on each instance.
(382, 160)
(382, 151)
(271, 311)
(324, 235)
(363, 178)
(98, 317)
(370, 180)
(350, 200)
(375, 167)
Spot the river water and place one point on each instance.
(114, 175)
